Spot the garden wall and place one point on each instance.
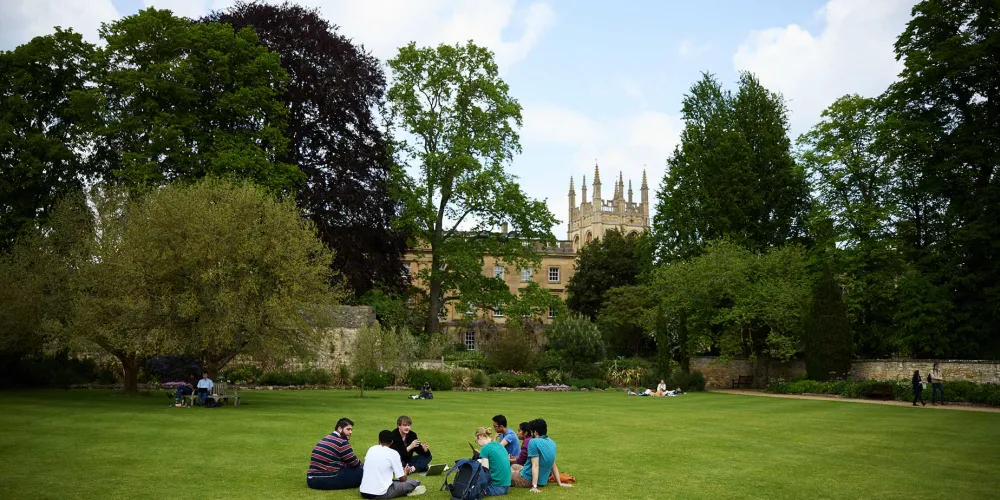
(335, 349)
(719, 374)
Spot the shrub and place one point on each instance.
(688, 382)
(373, 380)
(577, 339)
(461, 377)
(480, 379)
(467, 359)
(513, 380)
(513, 347)
(586, 383)
(243, 374)
(439, 380)
(280, 377)
(316, 376)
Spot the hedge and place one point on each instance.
(439, 380)
(902, 390)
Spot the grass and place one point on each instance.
(95, 444)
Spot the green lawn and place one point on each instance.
(94, 444)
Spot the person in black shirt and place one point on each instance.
(412, 451)
(918, 389)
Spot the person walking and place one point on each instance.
(918, 388)
(936, 383)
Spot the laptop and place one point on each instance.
(435, 469)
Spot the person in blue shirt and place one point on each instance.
(541, 460)
(505, 436)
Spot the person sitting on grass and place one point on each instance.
(333, 464)
(425, 392)
(542, 457)
(412, 451)
(505, 436)
(647, 392)
(661, 388)
(381, 465)
(524, 434)
(205, 386)
(494, 457)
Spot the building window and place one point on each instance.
(553, 274)
(498, 271)
(552, 313)
(406, 270)
(497, 313)
(525, 274)
(470, 340)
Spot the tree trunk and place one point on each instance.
(130, 372)
(434, 300)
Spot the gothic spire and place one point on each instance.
(571, 190)
(630, 190)
(597, 173)
(644, 185)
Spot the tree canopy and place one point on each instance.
(616, 259)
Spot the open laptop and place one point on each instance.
(435, 469)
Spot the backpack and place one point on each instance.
(471, 479)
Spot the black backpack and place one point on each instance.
(471, 479)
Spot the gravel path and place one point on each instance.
(949, 406)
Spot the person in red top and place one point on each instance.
(333, 464)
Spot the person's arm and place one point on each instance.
(349, 459)
(555, 470)
(485, 462)
(534, 475)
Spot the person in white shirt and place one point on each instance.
(205, 386)
(381, 465)
(936, 382)
(661, 388)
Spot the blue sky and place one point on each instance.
(598, 80)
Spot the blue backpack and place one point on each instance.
(471, 479)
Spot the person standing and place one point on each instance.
(936, 382)
(333, 464)
(494, 457)
(506, 436)
(412, 451)
(381, 465)
(918, 388)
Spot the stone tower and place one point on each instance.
(592, 218)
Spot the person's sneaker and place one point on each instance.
(419, 490)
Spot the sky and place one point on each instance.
(599, 81)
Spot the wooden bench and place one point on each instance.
(220, 392)
(879, 391)
(742, 381)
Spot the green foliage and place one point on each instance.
(578, 341)
(186, 100)
(243, 374)
(587, 383)
(480, 379)
(372, 380)
(743, 303)
(688, 382)
(57, 370)
(307, 376)
(902, 390)
(513, 379)
(439, 380)
(378, 349)
(454, 104)
(828, 341)
(732, 175)
(617, 259)
(623, 319)
(513, 347)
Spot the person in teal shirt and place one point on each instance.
(494, 457)
(541, 460)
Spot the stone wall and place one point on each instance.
(983, 372)
(719, 374)
(335, 348)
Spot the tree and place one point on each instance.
(828, 341)
(213, 268)
(622, 319)
(732, 176)
(334, 91)
(451, 101)
(378, 350)
(617, 259)
(845, 155)
(577, 340)
(736, 301)
(42, 106)
(945, 121)
(183, 100)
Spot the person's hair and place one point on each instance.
(204, 374)
(936, 363)
(500, 419)
(403, 419)
(344, 422)
(525, 428)
(385, 437)
(916, 372)
(427, 384)
(539, 426)
(486, 432)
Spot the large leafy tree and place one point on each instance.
(845, 156)
(334, 92)
(945, 121)
(732, 175)
(622, 320)
(42, 107)
(615, 260)
(458, 124)
(183, 100)
(212, 268)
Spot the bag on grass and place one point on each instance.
(471, 479)
(563, 478)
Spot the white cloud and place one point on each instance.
(852, 54)
(23, 20)
(688, 48)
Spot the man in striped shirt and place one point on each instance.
(333, 465)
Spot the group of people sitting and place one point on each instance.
(661, 390)
(203, 388)
(524, 459)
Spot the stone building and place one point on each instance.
(587, 222)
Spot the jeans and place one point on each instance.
(182, 390)
(346, 479)
(918, 393)
(420, 462)
(935, 389)
(493, 491)
(202, 396)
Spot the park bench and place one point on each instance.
(879, 391)
(220, 392)
(742, 381)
